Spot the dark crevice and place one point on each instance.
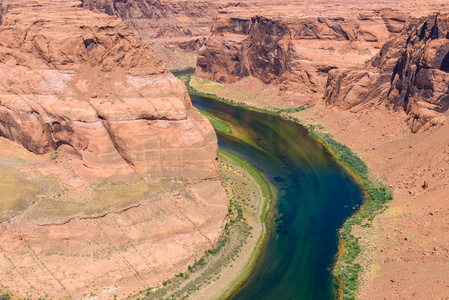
(422, 33)
(89, 44)
(445, 63)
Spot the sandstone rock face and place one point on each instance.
(410, 73)
(80, 87)
(118, 252)
(175, 29)
(168, 18)
(97, 92)
(290, 49)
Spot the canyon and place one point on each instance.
(376, 77)
(289, 50)
(174, 29)
(101, 150)
(410, 72)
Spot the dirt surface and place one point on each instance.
(66, 237)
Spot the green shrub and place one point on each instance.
(376, 196)
(4, 296)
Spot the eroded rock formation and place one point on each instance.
(175, 29)
(91, 103)
(309, 51)
(164, 15)
(96, 91)
(411, 72)
(290, 49)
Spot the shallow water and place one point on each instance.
(183, 73)
(315, 195)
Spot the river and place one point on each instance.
(314, 196)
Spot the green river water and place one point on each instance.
(314, 196)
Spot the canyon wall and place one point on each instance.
(174, 29)
(386, 100)
(293, 51)
(97, 92)
(108, 175)
(354, 57)
(161, 18)
(410, 73)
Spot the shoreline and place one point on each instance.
(221, 269)
(346, 270)
(261, 108)
(268, 199)
(250, 252)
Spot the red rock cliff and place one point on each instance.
(175, 29)
(290, 49)
(410, 73)
(80, 83)
(96, 91)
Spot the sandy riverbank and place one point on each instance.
(404, 250)
(215, 274)
(238, 182)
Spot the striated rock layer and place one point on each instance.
(175, 29)
(371, 107)
(80, 88)
(97, 92)
(292, 49)
(411, 72)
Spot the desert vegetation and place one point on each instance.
(217, 123)
(249, 197)
(204, 82)
(377, 194)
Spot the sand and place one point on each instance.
(220, 272)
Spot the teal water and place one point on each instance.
(183, 73)
(315, 195)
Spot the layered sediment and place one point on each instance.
(110, 179)
(410, 73)
(291, 50)
(97, 92)
(388, 105)
(174, 29)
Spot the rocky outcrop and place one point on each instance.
(161, 18)
(356, 57)
(410, 73)
(109, 178)
(2, 11)
(174, 29)
(97, 92)
(114, 253)
(295, 52)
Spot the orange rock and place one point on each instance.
(80, 83)
(83, 80)
(410, 73)
(292, 47)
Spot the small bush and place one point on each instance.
(376, 196)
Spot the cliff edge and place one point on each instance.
(109, 176)
(410, 72)
(291, 50)
(94, 90)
